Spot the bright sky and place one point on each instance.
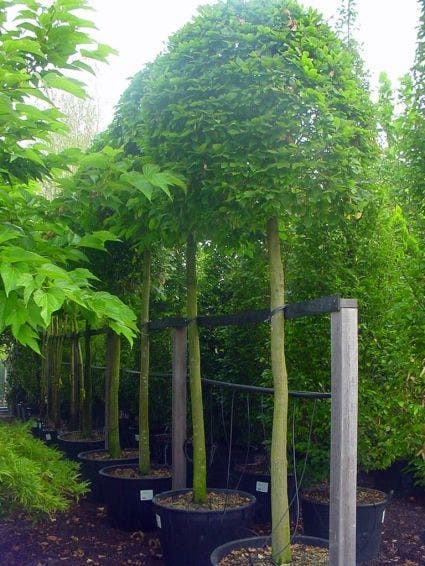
(139, 29)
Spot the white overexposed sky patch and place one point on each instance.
(139, 29)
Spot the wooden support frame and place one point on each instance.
(343, 472)
(179, 407)
(344, 406)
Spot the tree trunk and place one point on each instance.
(199, 455)
(82, 390)
(113, 371)
(86, 412)
(281, 550)
(74, 384)
(44, 401)
(144, 450)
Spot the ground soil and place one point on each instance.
(83, 537)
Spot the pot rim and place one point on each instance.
(83, 456)
(385, 497)
(324, 543)
(61, 436)
(104, 472)
(157, 501)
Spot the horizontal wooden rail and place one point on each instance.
(324, 305)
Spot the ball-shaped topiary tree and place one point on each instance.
(259, 105)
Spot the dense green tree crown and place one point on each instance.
(413, 131)
(258, 103)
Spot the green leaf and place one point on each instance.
(9, 233)
(139, 181)
(100, 54)
(24, 44)
(10, 275)
(13, 254)
(73, 86)
(97, 240)
(28, 337)
(49, 301)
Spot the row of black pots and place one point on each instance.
(135, 504)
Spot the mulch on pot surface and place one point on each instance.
(83, 536)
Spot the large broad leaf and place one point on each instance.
(54, 80)
(97, 240)
(14, 254)
(16, 313)
(10, 275)
(49, 301)
(51, 270)
(28, 337)
(9, 233)
(139, 181)
(24, 44)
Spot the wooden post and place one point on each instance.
(343, 473)
(179, 407)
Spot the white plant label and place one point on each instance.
(39, 425)
(262, 486)
(158, 521)
(383, 516)
(146, 495)
(136, 436)
(48, 436)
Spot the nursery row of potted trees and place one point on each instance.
(128, 493)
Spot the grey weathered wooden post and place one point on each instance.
(179, 407)
(343, 473)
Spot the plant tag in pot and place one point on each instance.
(136, 437)
(262, 486)
(146, 495)
(158, 521)
(48, 436)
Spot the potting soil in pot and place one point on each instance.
(302, 555)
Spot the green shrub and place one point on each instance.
(34, 478)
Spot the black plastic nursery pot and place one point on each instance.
(259, 542)
(259, 484)
(396, 478)
(129, 500)
(71, 448)
(370, 517)
(49, 436)
(37, 429)
(189, 536)
(90, 470)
